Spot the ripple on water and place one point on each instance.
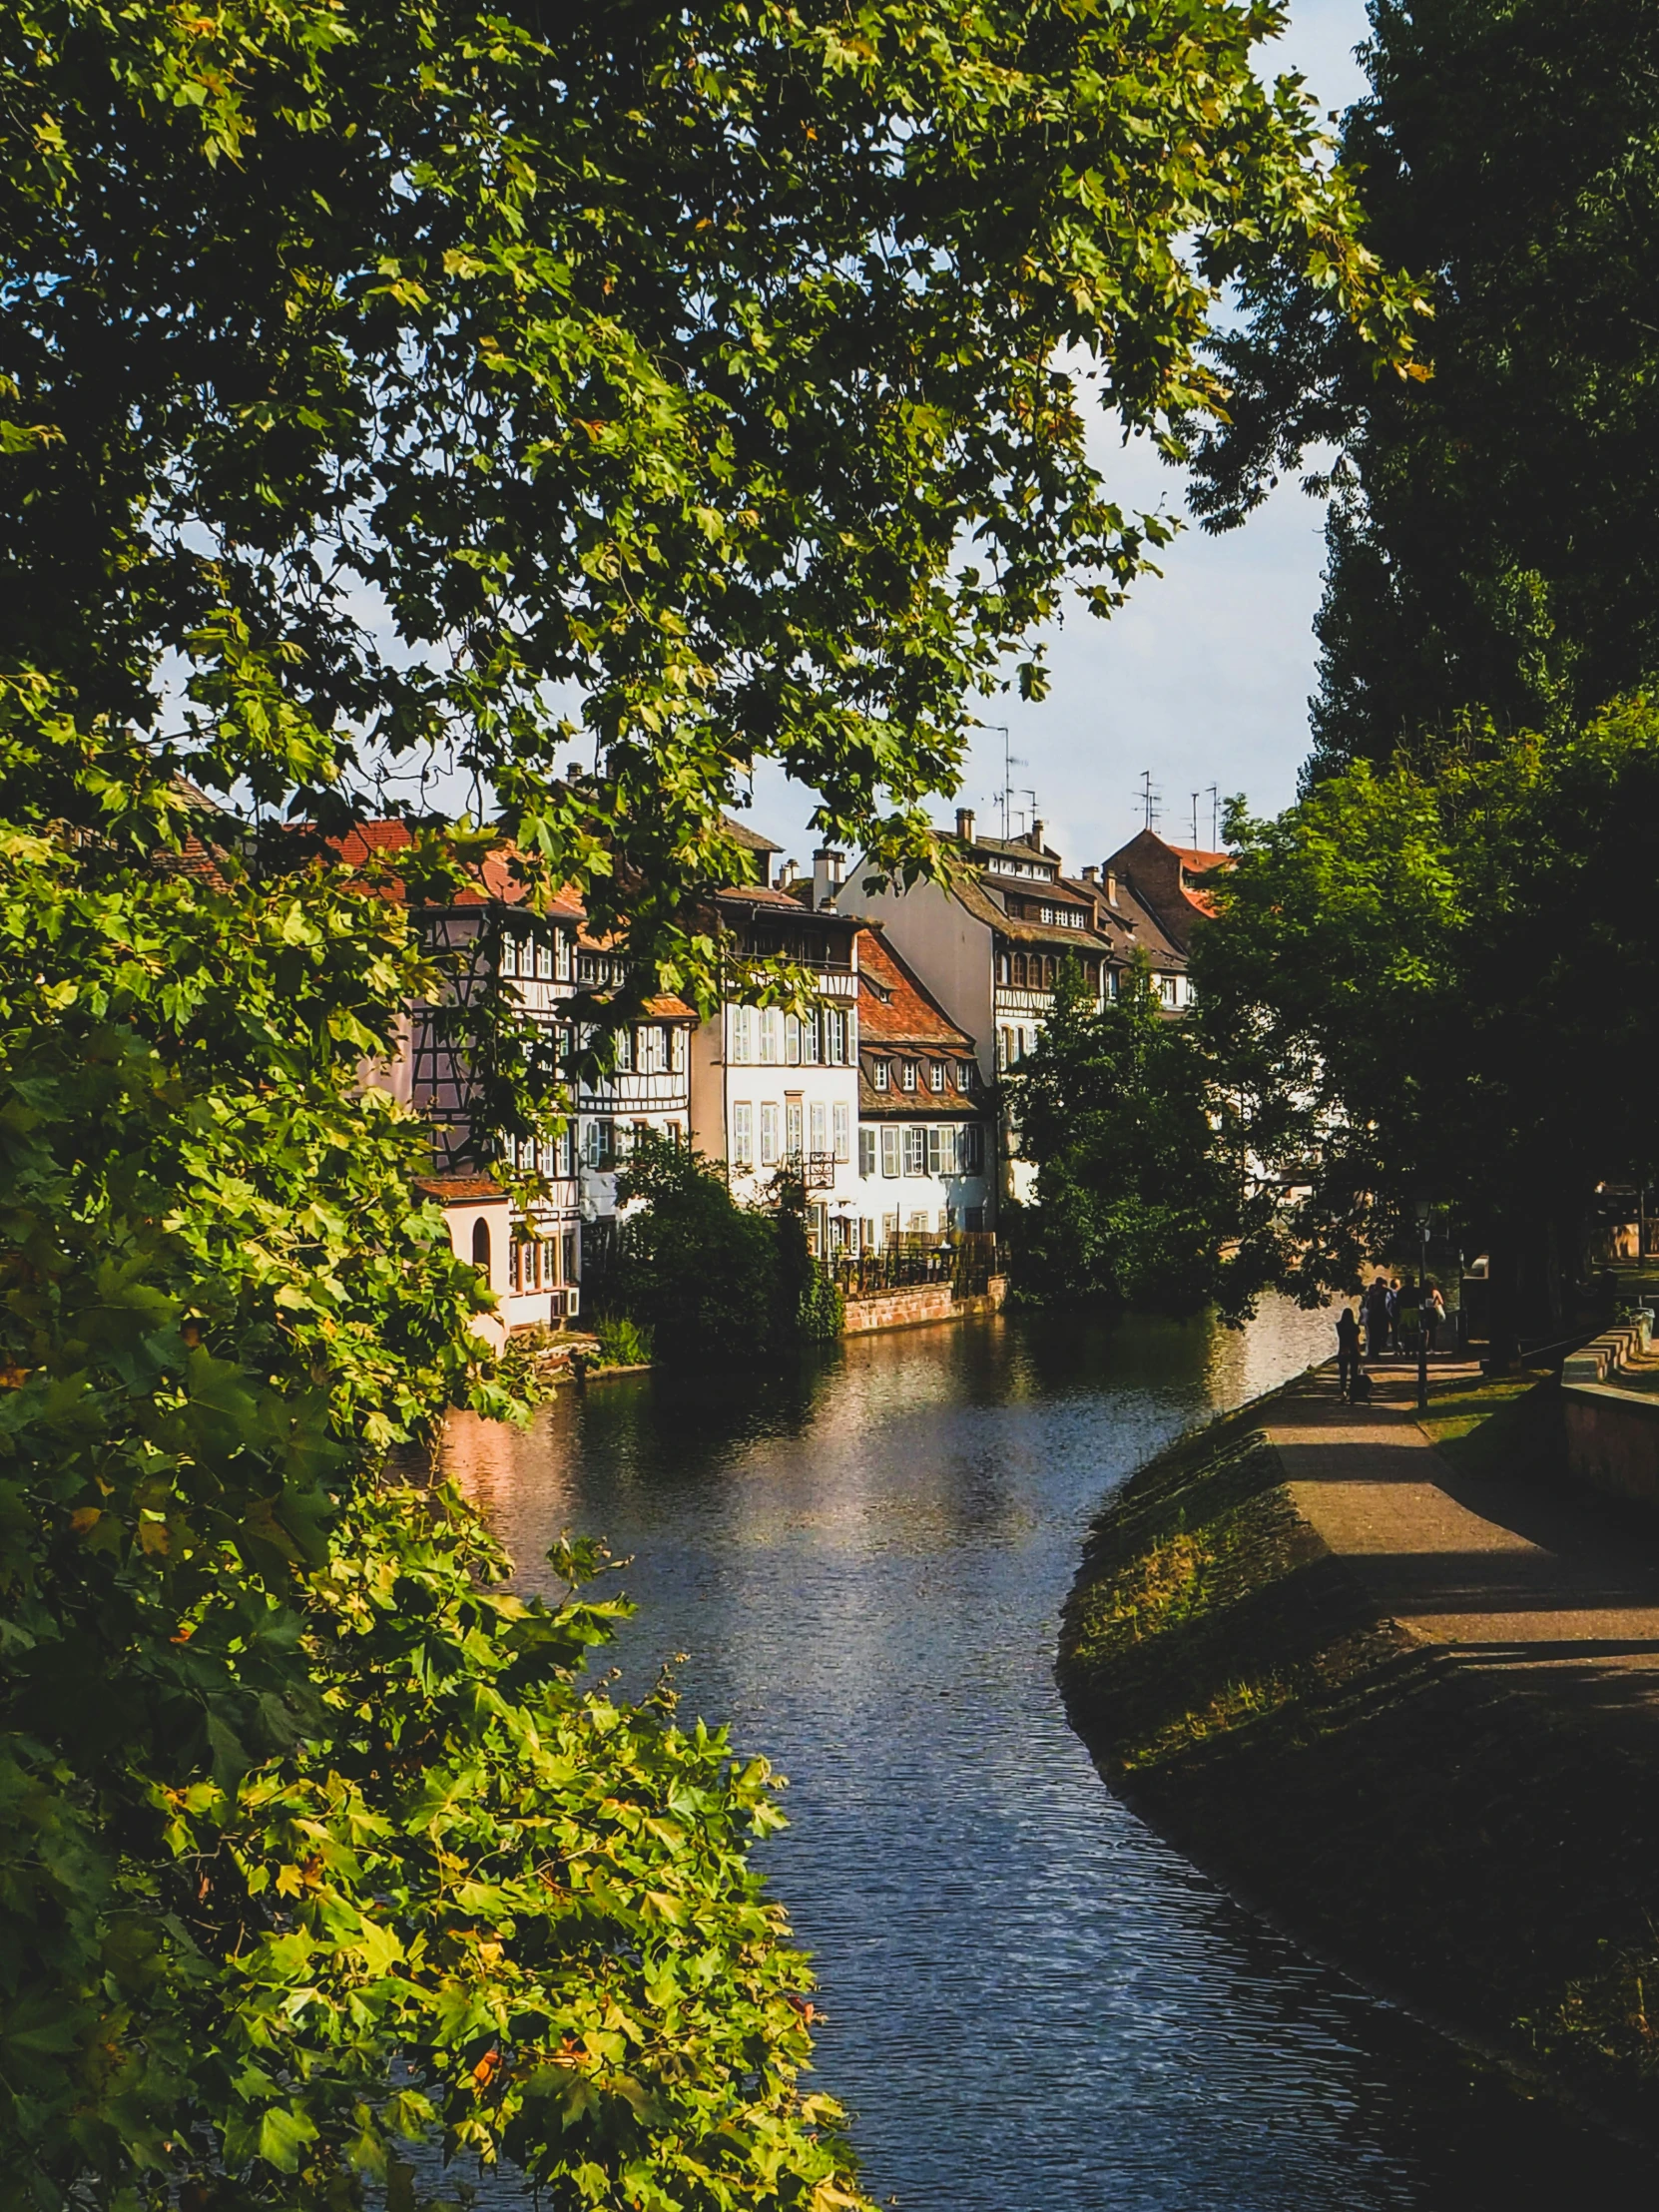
(1032, 2003)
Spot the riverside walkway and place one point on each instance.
(1501, 1572)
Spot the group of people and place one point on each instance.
(1399, 1319)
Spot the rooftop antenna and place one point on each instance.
(1214, 819)
(1149, 799)
(1010, 760)
(1195, 818)
(1028, 793)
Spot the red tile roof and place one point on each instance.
(896, 1006)
(495, 877)
(458, 1190)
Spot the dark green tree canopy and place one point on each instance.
(391, 378)
(1140, 1186)
(1494, 541)
(1443, 986)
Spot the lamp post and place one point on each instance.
(1422, 1304)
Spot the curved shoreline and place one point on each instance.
(1454, 1835)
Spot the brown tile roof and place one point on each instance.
(920, 1105)
(1130, 926)
(495, 877)
(751, 839)
(1052, 935)
(457, 1190)
(896, 1006)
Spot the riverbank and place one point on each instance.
(1399, 1690)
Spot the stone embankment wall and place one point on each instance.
(922, 1301)
(1408, 1812)
(1610, 1403)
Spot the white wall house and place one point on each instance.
(926, 1141)
(531, 1254)
(988, 947)
(772, 1091)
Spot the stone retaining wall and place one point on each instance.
(922, 1301)
(1613, 1439)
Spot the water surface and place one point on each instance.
(1033, 2004)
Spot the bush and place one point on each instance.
(623, 1342)
(710, 1278)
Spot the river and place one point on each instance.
(1033, 2004)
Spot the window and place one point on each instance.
(1112, 979)
(936, 1075)
(481, 1244)
(908, 1074)
(809, 1041)
(1019, 967)
(916, 1151)
(651, 1057)
(833, 1021)
(880, 1073)
(820, 1125)
(843, 1125)
(743, 1135)
(866, 1152)
(793, 1146)
(890, 1228)
(791, 1041)
(935, 1149)
(1005, 1048)
(544, 960)
(599, 1145)
(1002, 967)
(1167, 989)
(624, 1049)
(867, 1236)
(772, 1037)
(742, 1034)
(967, 1071)
(918, 1224)
(769, 1134)
(972, 1156)
(563, 946)
(890, 1152)
(976, 1220)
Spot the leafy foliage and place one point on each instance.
(707, 1275)
(389, 367)
(374, 380)
(1492, 540)
(1443, 986)
(1139, 1185)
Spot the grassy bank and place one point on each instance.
(1430, 1825)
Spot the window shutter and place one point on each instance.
(866, 1152)
(935, 1152)
(890, 1152)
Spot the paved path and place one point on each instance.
(1506, 1573)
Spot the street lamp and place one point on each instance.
(1422, 1304)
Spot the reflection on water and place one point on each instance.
(1032, 2003)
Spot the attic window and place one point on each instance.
(878, 1073)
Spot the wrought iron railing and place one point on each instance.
(965, 1262)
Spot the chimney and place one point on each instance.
(1090, 873)
(827, 874)
(785, 877)
(1034, 837)
(964, 823)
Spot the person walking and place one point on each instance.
(1375, 1304)
(1434, 1313)
(1347, 1352)
(1394, 1316)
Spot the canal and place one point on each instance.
(1033, 2004)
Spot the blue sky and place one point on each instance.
(1204, 678)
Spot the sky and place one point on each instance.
(1204, 677)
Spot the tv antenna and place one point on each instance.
(1195, 821)
(1010, 760)
(1214, 819)
(1149, 799)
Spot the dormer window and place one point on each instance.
(878, 1073)
(908, 1074)
(936, 1075)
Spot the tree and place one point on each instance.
(1492, 538)
(714, 1278)
(374, 379)
(1442, 987)
(1139, 1187)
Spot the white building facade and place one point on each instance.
(776, 1093)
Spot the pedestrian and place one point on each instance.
(1393, 1316)
(1347, 1352)
(1376, 1303)
(1434, 1313)
(1408, 1317)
